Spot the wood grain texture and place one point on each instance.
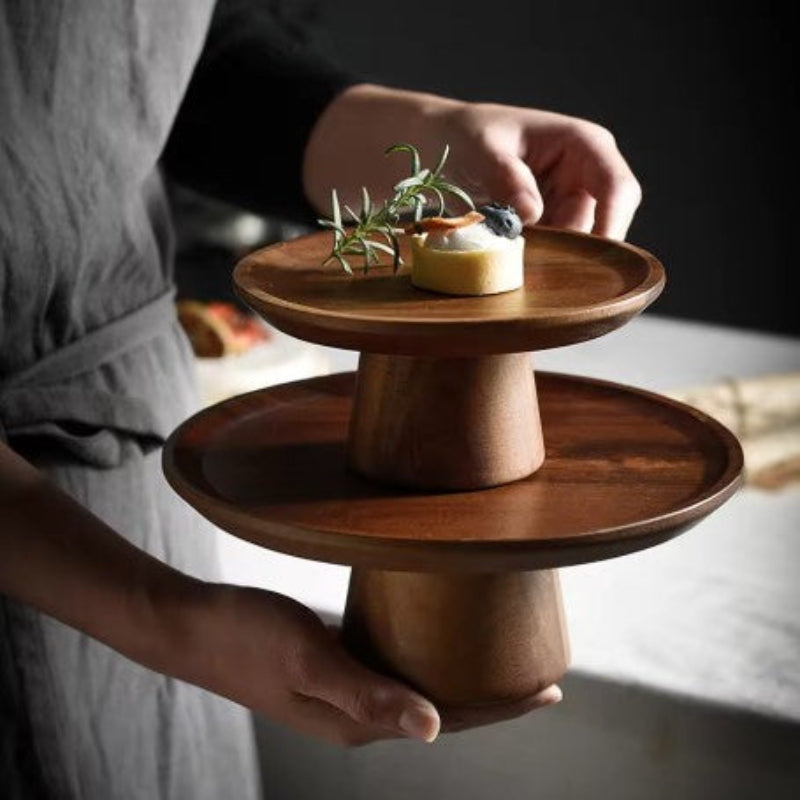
(624, 470)
(577, 287)
(445, 423)
(479, 646)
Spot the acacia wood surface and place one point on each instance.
(624, 469)
(577, 287)
(445, 423)
(479, 646)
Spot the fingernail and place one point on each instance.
(420, 722)
(552, 695)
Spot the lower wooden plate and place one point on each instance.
(625, 469)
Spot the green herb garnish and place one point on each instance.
(412, 194)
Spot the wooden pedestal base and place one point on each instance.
(479, 646)
(445, 423)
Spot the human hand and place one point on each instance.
(257, 648)
(273, 655)
(554, 169)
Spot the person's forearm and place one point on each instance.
(254, 96)
(256, 648)
(59, 558)
(346, 148)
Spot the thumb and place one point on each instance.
(370, 699)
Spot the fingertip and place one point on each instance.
(551, 695)
(420, 720)
(617, 232)
(614, 214)
(528, 205)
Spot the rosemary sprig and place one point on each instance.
(374, 229)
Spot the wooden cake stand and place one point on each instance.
(452, 481)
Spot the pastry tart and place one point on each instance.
(467, 255)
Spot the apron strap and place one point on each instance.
(86, 420)
(99, 346)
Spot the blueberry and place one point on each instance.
(502, 220)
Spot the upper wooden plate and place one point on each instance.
(577, 286)
(624, 470)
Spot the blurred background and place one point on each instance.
(702, 97)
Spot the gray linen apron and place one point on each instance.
(94, 373)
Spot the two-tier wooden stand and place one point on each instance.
(450, 479)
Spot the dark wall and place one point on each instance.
(702, 99)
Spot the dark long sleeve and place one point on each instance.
(254, 97)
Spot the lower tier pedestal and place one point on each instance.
(479, 646)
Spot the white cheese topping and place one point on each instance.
(470, 237)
